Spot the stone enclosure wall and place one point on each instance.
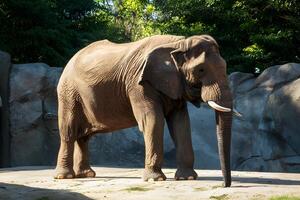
(267, 138)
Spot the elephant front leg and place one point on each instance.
(82, 167)
(149, 115)
(179, 126)
(153, 136)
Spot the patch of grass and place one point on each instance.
(220, 197)
(216, 186)
(201, 189)
(258, 197)
(137, 189)
(42, 198)
(286, 197)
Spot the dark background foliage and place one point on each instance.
(252, 35)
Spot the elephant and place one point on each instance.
(108, 86)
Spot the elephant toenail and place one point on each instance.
(59, 176)
(181, 178)
(160, 179)
(191, 178)
(69, 176)
(90, 174)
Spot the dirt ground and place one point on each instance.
(36, 183)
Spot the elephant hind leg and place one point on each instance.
(64, 167)
(68, 128)
(82, 167)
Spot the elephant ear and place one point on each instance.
(161, 69)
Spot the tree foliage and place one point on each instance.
(252, 35)
(52, 30)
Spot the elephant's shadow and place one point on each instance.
(253, 180)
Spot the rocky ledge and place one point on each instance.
(266, 138)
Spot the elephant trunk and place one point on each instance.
(223, 130)
(223, 121)
(219, 97)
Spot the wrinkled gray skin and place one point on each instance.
(107, 87)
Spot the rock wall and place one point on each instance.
(33, 111)
(267, 138)
(5, 65)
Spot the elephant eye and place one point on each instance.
(201, 72)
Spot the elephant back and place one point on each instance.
(104, 59)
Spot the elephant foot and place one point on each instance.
(64, 173)
(151, 175)
(85, 173)
(185, 174)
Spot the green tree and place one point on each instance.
(51, 31)
(252, 35)
(135, 17)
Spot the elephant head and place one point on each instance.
(193, 69)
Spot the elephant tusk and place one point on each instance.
(217, 107)
(236, 113)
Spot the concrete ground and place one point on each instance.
(36, 183)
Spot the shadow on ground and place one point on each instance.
(21, 192)
(257, 180)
